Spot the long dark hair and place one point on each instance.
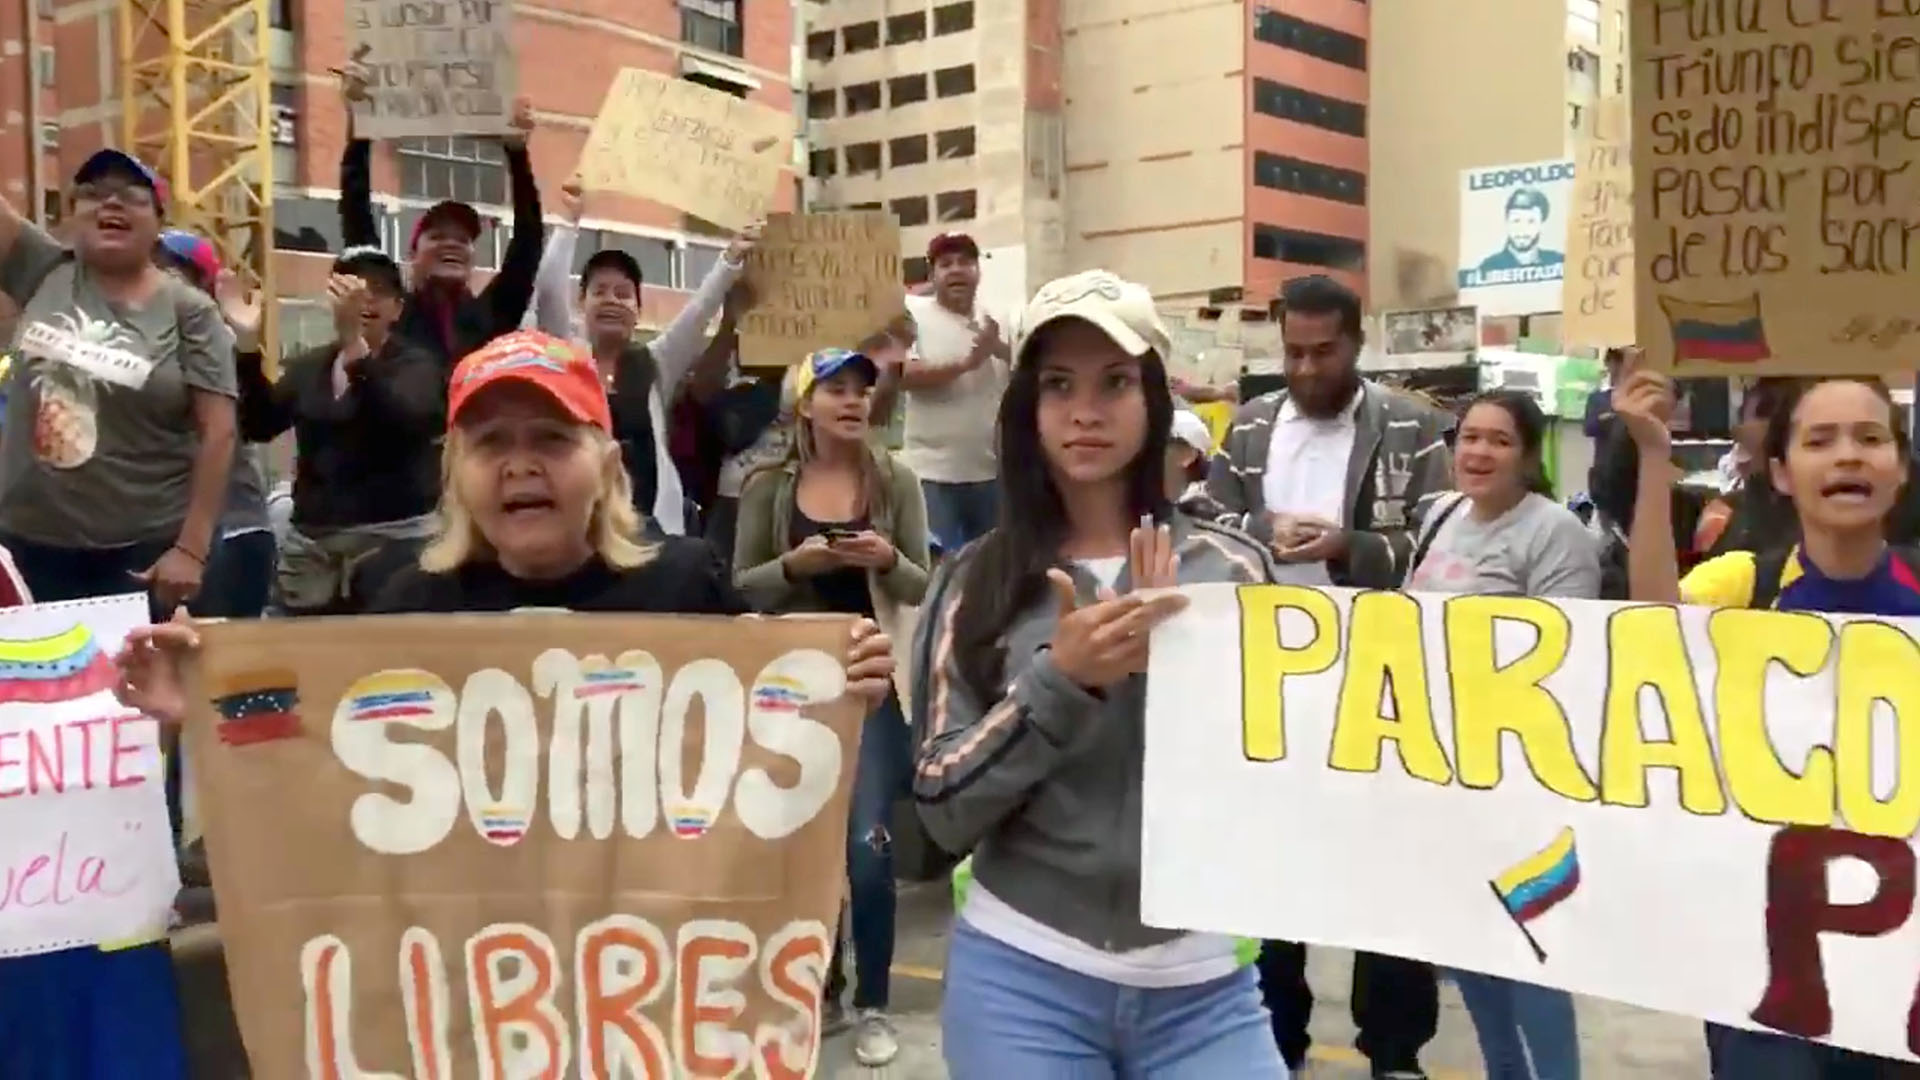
(1006, 570)
(1780, 422)
(1530, 424)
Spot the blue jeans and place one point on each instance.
(1739, 1054)
(83, 1014)
(958, 514)
(1526, 1032)
(879, 779)
(238, 583)
(1006, 1014)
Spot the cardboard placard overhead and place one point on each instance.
(709, 154)
(821, 280)
(1598, 302)
(526, 845)
(1775, 225)
(434, 67)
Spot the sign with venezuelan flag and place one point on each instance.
(1705, 812)
(86, 855)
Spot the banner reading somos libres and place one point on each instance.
(1705, 812)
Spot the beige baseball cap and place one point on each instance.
(1121, 309)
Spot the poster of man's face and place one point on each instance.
(1525, 216)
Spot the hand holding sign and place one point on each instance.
(1104, 642)
(149, 664)
(521, 124)
(1644, 401)
(744, 243)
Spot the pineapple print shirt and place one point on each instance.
(98, 441)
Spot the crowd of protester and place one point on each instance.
(518, 446)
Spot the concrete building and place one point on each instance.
(568, 54)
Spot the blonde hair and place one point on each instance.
(874, 487)
(613, 528)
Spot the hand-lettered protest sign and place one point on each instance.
(433, 67)
(820, 280)
(1776, 226)
(709, 154)
(527, 845)
(86, 856)
(1705, 812)
(1597, 306)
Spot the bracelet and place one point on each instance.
(201, 559)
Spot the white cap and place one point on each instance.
(1192, 430)
(1121, 309)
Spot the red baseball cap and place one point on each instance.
(952, 242)
(562, 370)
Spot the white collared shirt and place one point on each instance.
(1307, 474)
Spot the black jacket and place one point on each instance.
(685, 576)
(476, 320)
(371, 455)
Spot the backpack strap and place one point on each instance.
(1429, 530)
(1909, 554)
(1768, 568)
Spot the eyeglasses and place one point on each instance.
(130, 192)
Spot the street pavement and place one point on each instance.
(1617, 1042)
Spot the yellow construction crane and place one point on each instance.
(196, 104)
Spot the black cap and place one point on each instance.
(370, 264)
(612, 259)
(449, 210)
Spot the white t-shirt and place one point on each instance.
(1307, 475)
(950, 430)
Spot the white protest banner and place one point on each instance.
(1513, 236)
(86, 856)
(1710, 813)
(434, 67)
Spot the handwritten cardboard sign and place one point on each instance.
(709, 154)
(435, 67)
(820, 280)
(527, 845)
(1598, 302)
(1777, 224)
(86, 856)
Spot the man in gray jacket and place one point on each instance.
(1331, 475)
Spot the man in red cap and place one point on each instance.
(442, 313)
(951, 383)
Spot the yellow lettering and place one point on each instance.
(1746, 644)
(1265, 662)
(1385, 662)
(1645, 649)
(1878, 664)
(1489, 700)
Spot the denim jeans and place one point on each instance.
(239, 580)
(1008, 1015)
(958, 514)
(879, 779)
(1526, 1032)
(58, 573)
(84, 1014)
(1739, 1054)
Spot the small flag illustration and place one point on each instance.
(1536, 884)
(66, 666)
(258, 706)
(1727, 333)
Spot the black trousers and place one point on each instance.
(1396, 1005)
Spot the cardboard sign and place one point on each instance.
(527, 845)
(86, 855)
(1776, 188)
(709, 154)
(435, 67)
(820, 280)
(1598, 303)
(1705, 812)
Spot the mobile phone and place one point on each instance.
(834, 536)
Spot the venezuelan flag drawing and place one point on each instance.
(1536, 884)
(402, 694)
(779, 693)
(258, 706)
(66, 666)
(1728, 333)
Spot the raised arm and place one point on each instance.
(684, 340)
(511, 290)
(552, 310)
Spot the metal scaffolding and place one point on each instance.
(196, 103)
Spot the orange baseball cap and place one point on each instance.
(562, 370)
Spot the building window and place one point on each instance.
(906, 89)
(955, 205)
(1306, 107)
(863, 206)
(286, 135)
(713, 25)
(820, 163)
(953, 18)
(953, 81)
(820, 45)
(49, 78)
(912, 211)
(862, 98)
(1619, 78)
(953, 143)
(907, 150)
(279, 14)
(911, 26)
(1574, 115)
(1282, 173)
(860, 37)
(697, 261)
(863, 158)
(819, 104)
(1308, 248)
(654, 255)
(913, 269)
(304, 223)
(470, 170)
(1320, 42)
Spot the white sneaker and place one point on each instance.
(875, 1042)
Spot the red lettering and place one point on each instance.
(708, 963)
(792, 971)
(424, 974)
(46, 764)
(122, 749)
(610, 1008)
(1799, 910)
(18, 886)
(92, 878)
(320, 999)
(528, 1012)
(9, 762)
(86, 748)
